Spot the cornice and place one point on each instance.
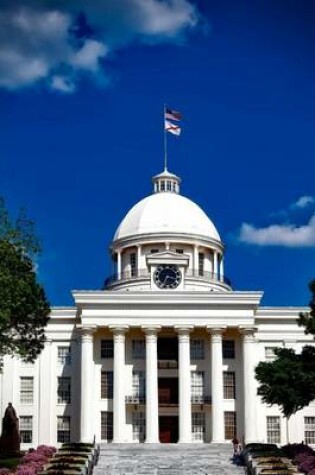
(165, 298)
(148, 238)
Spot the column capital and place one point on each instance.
(248, 334)
(118, 329)
(151, 329)
(183, 330)
(86, 331)
(216, 332)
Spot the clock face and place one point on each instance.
(167, 276)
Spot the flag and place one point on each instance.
(172, 128)
(171, 114)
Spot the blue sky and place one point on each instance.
(82, 86)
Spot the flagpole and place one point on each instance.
(165, 140)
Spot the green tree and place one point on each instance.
(289, 380)
(307, 319)
(24, 308)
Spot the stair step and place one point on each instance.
(166, 459)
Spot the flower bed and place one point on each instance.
(33, 462)
(302, 456)
(72, 459)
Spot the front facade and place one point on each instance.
(165, 352)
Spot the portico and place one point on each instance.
(168, 361)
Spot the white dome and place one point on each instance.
(166, 213)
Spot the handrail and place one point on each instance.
(200, 399)
(135, 274)
(137, 399)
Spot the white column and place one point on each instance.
(221, 269)
(119, 403)
(184, 384)
(151, 376)
(196, 261)
(118, 264)
(87, 385)
(138, 264)
(249, 343)
(44, 403)
(217, 384)
(215, 264)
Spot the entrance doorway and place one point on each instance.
(168, 429)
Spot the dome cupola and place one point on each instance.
(167, 229)
(166, 182)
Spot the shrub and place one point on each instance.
(307, 464)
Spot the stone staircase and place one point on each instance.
(166, 459)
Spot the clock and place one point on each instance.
(167, 276)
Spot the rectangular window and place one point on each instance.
(63, 429)
(228, 349)
(269, 354)
(198, 422)
(201, 262)
(162, 185)
(133, 264)
(309, 430)
(107, 426)
(169, 185)
(179, 251)
(138, 349)
(154, 251)
(230, 425)
(64, 390)
(138, 426)
(197, 349)
(138, 384)
(26, 429)
(273, 430)
(107, 348)
(228, 385)
(64, 355)
(197, 385)
(107, 385)
(26, 389)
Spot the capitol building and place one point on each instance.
(165, 352)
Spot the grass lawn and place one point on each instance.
(10, 462)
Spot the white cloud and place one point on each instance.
(286, 235)
(303, 202)
(62, 84)
(37, 40)
(89, 55)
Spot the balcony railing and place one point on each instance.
(167, 400)
(200, 399)
(135, 274)
(137, 399)
(167, 364)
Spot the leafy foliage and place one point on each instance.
(289, 380)
(307, 319)
(24, 307)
